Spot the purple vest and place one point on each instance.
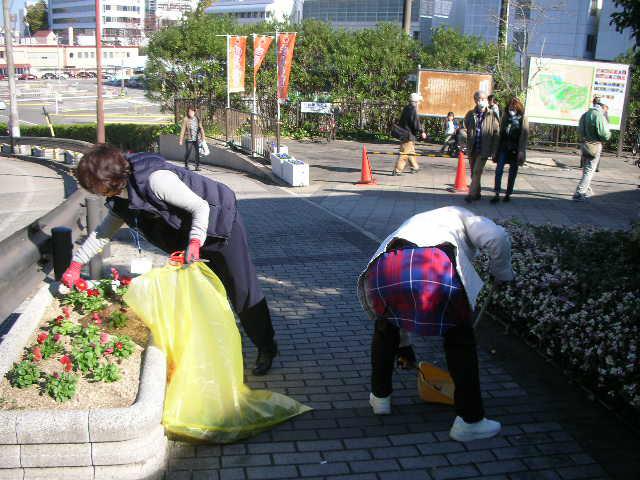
(221, 199)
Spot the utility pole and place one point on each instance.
(503, 26)
(14, 122)
(100, 135)
(406, 18)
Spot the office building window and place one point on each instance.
(523, 9)
(591, 43)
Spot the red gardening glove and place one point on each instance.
(71, 274)
(192, 253)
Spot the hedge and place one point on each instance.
(127, 136)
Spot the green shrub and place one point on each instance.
(127, 136)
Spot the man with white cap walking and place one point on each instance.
(410, 122)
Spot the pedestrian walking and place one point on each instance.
(175, 208)
(191, 134)
(493, 105)
(512, 148)
(593, 129)
(483, 135)
(450, 128)
(421, 281)
(410, 122)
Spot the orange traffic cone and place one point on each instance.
(461, 184)
(366, 176)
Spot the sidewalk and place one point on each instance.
(543, 192)
(308, 261)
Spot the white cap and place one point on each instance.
(415, 97)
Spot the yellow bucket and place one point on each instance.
(434, 384)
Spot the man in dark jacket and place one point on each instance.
(174, 207)
(410, 121)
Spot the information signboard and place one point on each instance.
(560, 91)
(443, 92)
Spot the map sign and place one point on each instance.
(443, 92)
(560, 91)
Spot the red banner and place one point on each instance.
(286, 42)
(236, 58)
(261, 44)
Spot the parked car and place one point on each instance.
(86, 75)
(27, 76)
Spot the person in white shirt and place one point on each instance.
(450, 128)
(421, 280)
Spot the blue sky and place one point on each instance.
(15, 5)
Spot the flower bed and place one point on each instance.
(85, 353)
(577, 298)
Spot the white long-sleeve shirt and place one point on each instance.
(167, 186)
(463, 229)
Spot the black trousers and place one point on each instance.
(462, 360)
(506, 158)
(231, 261)
(188, 146)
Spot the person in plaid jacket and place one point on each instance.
(421, 280)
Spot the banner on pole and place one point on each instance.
(261, 44)
(236, 57)
(286, 42)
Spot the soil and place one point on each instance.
(89, 394)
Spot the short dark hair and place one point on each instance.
(451, 114)
(103, 170)
(491, 97)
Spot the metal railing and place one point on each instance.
(26, 255)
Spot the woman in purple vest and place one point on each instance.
(175, 208)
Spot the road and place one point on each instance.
(73, 101)
(27, 191)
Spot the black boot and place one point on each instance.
(265, 359)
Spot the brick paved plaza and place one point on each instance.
(308, 260)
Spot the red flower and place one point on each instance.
(108, 351)
(81, 284)
(66, 361)
(104, 338)
(115, 274)
(94, 292)
(125, 281)
(119, 345)
(43, 337)
(66, 311)
(59, 319)
(56, 337)
(37, 354)
(97, 319)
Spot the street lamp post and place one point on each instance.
(100, 135)
(14, 122)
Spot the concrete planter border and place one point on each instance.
(102, 443)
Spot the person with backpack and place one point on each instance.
(409, 129)
(512, 148)
(176, 209)
(191, 134)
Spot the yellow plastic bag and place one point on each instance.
(189, 315)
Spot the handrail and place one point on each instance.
(25, 256)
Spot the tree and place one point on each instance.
(629, 17)
(37, 16)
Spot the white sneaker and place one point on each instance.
(467, 432)
(381, 406)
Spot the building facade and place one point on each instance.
(123, 21)
(162, 13)
(48, 56)
(254, 11)
(350, 14)
(577, 29)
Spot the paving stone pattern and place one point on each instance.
(308, 261)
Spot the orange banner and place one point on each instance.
(286, 42)
(261, 44)
(236, 57)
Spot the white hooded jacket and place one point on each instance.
(464, 230)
